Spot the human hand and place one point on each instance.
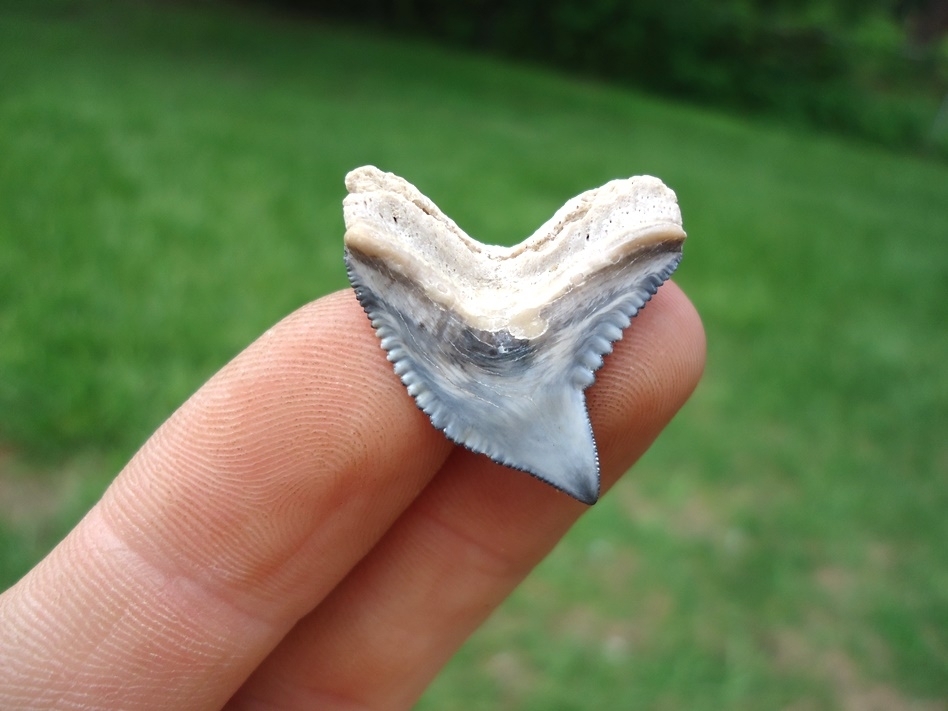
(297, 535)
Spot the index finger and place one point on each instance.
(235, 519)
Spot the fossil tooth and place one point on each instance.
(497, 344)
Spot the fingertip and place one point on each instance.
(305, 432)
(649, 376)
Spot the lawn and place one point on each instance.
(170, 186)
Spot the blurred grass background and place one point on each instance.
(170, 186)
(873, 69)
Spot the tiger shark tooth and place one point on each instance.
(498, 344)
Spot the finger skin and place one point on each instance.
(465, 543)
(233, 521)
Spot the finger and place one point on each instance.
(473, 534)
(232, 522)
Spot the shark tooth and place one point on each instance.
(498, 344)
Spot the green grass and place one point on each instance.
(170, 186)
